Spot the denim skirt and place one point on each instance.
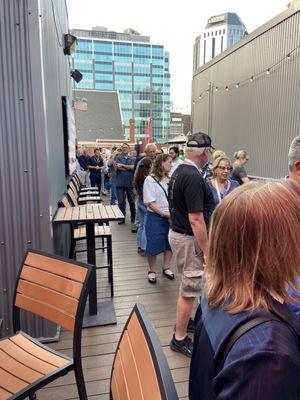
(157, 230)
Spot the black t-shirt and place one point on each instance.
(95, 162)
(188, 193)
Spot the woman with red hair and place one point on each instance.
(247, 343)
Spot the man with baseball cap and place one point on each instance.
(191, 205)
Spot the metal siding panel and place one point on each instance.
(24, 193)
(261, 117)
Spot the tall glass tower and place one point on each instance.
(138, 70)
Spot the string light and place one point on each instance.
(251, 79)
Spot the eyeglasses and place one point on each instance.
(225, 168)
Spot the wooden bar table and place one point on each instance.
(103, 312)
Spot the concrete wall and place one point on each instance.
(261, 116)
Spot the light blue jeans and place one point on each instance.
(141, 233)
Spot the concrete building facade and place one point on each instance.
(221, 32)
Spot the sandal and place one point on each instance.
(151, 277)
(168, 273)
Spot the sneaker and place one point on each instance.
(184, 346)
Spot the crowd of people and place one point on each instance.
(236, 247)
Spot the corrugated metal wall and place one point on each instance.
(261, 116)
(34, 75)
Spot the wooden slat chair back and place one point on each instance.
(79, 187)
(72, 197)
(140, 370)
(56, 289)
(74, 188)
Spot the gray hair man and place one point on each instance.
(191, 205)
(294, 159)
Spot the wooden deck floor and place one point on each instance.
(99, 344)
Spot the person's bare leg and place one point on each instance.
(151, 263)
(167, 259)
(183, 314)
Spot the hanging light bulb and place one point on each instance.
(268, 71)
(194, 102)
(237, 85)
(251, 79)
(217, 88)
(199, 97)
(288, 56)
(227, 88)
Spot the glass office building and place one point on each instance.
(137, 69)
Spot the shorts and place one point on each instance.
(189, 262)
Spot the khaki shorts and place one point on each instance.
(189, 262)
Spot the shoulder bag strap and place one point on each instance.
(239, 332)
(157, 181)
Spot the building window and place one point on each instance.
(204, 51)
(216, 33)
(231, 41)
(213, 48)
(220, 32)
(223, 31)
(207, 34)
(222, 40)
(204, 35)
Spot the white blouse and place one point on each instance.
(152, 192)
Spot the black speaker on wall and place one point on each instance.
(76, 75)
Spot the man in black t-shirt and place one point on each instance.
(191, 205)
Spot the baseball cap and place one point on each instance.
(201, 139)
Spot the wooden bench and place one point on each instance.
(140, 368)
(54, 288)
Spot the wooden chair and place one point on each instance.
(79, 193)
(140, 369)
(83, 199)
(56, 289)
(81, 188)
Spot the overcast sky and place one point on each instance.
(173, 24)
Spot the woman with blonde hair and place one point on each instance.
(157, 220)
(239, 173)
(247, 342)
(220, 183)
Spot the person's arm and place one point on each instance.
(199, 230)
(154, 207)
(128, 167)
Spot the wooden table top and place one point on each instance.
(88, 212)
